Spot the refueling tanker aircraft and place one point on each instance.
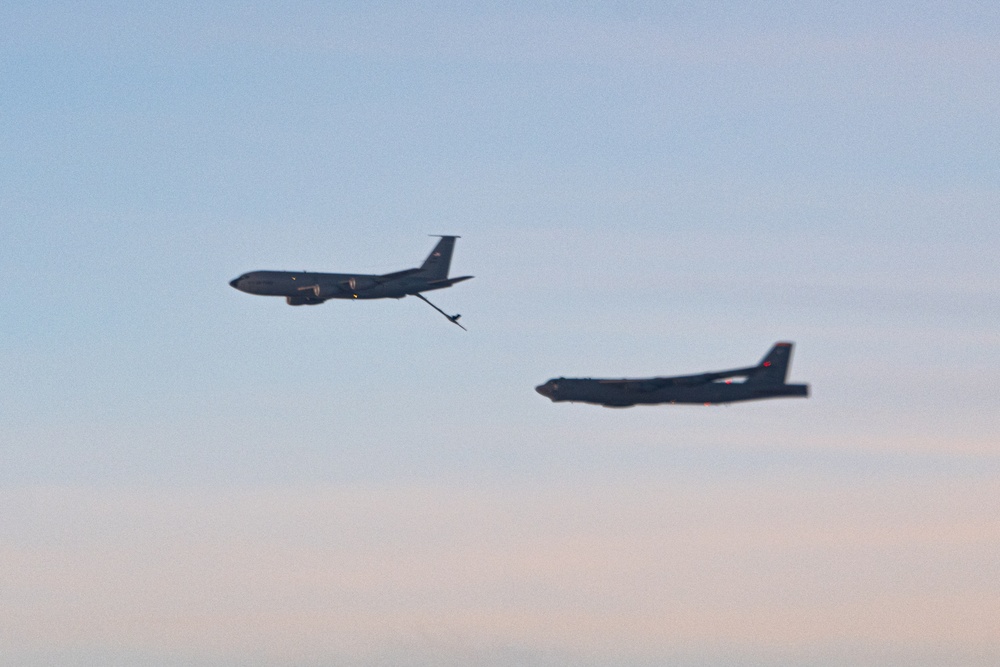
(765, 380)
(309, 289)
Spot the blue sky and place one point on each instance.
(641, 189)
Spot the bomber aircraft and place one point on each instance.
(765, 380)
(309, 289)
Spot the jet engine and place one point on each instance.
(358, 284)
(302, 301)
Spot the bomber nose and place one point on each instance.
(544, 389)
(235, 282)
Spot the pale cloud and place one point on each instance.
(634, 571)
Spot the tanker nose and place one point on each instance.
(235, 282)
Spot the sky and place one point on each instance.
(190, 475)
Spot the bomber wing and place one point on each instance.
(640, 386)
(652, 384)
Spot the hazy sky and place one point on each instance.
(194, 476)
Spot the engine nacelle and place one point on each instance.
(359, 284)
(302, 301)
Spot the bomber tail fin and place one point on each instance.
(773, 368)
(436, 266)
